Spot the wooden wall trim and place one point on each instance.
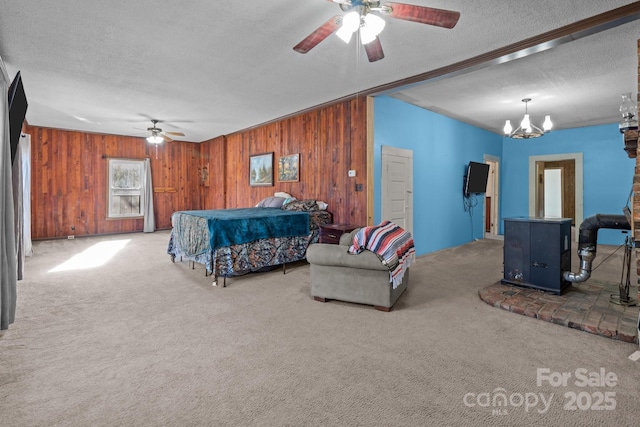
(523, 48)
(635, 206)
(370, 160)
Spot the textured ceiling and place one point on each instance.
(578, 84)
(212, 68)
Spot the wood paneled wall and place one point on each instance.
(68, 181)
(330, 141)
(69, 171)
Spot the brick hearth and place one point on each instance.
(585, 307)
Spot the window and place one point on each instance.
(126, 188)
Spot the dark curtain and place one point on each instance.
(8, 253)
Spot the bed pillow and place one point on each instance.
(283, 194)
(288, 200)
(301, 205)
(271, 202)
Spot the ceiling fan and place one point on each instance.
(359, 17)
(158, 136)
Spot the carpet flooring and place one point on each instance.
(140, 341)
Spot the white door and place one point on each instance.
(397, 187)
(553, 193)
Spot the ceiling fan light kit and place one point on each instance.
(370, 27)
(527, 130)
(358, 16)
(155, 139)
(158, 136)
(350, 24)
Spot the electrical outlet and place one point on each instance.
(73, 228)
(352, 173)
(358, 187)
(71, 237)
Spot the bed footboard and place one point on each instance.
(240, 259)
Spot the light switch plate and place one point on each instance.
(352, 173)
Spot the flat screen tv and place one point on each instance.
(17, 112)
(475, 181)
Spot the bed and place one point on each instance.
(232, 242)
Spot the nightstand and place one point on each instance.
(330, 233)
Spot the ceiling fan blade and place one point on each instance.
(173, 133)
(421, 14)
(324, 31)
(374, 50)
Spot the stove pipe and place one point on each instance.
(587, 242)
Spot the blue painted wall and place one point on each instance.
(442, 148)
(608, 171)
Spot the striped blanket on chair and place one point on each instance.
(392, 244)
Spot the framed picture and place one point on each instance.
(261, 170)
(289, 168)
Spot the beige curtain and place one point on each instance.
(25, 151)
(149, 225)
(18, 212)
(8, 253)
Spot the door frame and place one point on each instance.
(384, 188)
(495, 196)
(578, 184)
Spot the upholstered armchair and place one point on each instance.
(362, 278)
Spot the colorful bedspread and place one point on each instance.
(207, 230)
(393, 245)
(237, 259)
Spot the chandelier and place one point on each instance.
(629, 111)
(527, 129)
